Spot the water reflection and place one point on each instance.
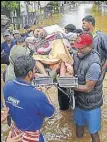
(76, 14)
(61, 128)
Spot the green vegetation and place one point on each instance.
(99, 2)
(55, 6)
(10, 5)
(94, 8)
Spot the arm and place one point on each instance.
(88, 87)
(68, 35)
(104, 48)
(17, 138)
(45, 107)
(104, 67)
(9, 75)
(69, 68)
(92, 77)
(2, 47)
(4, 113)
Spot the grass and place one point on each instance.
(94, 8)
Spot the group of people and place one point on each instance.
(11, 39)
(28, 106)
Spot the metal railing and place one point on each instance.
(61, 82)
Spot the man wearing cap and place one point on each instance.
(16, 34)
(88, 95)
(6, 47)
(99, 40)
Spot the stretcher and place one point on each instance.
(59, 52)
(66, 82)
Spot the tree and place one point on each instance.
(10, 5)
(55, 6)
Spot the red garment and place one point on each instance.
(28, 136)
(46, 46)
(50, 37)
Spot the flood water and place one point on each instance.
(61, 128)
(76, 14)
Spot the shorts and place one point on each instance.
(90, 117)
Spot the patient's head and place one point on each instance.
(40, 33)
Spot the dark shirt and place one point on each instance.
(6, 48)
(25, 35)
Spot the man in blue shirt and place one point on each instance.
(28, 32)
(27, 106)
(6, 47)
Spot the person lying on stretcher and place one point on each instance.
(41, 41)
(49, 33)
(58, 58)
(61, 69)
